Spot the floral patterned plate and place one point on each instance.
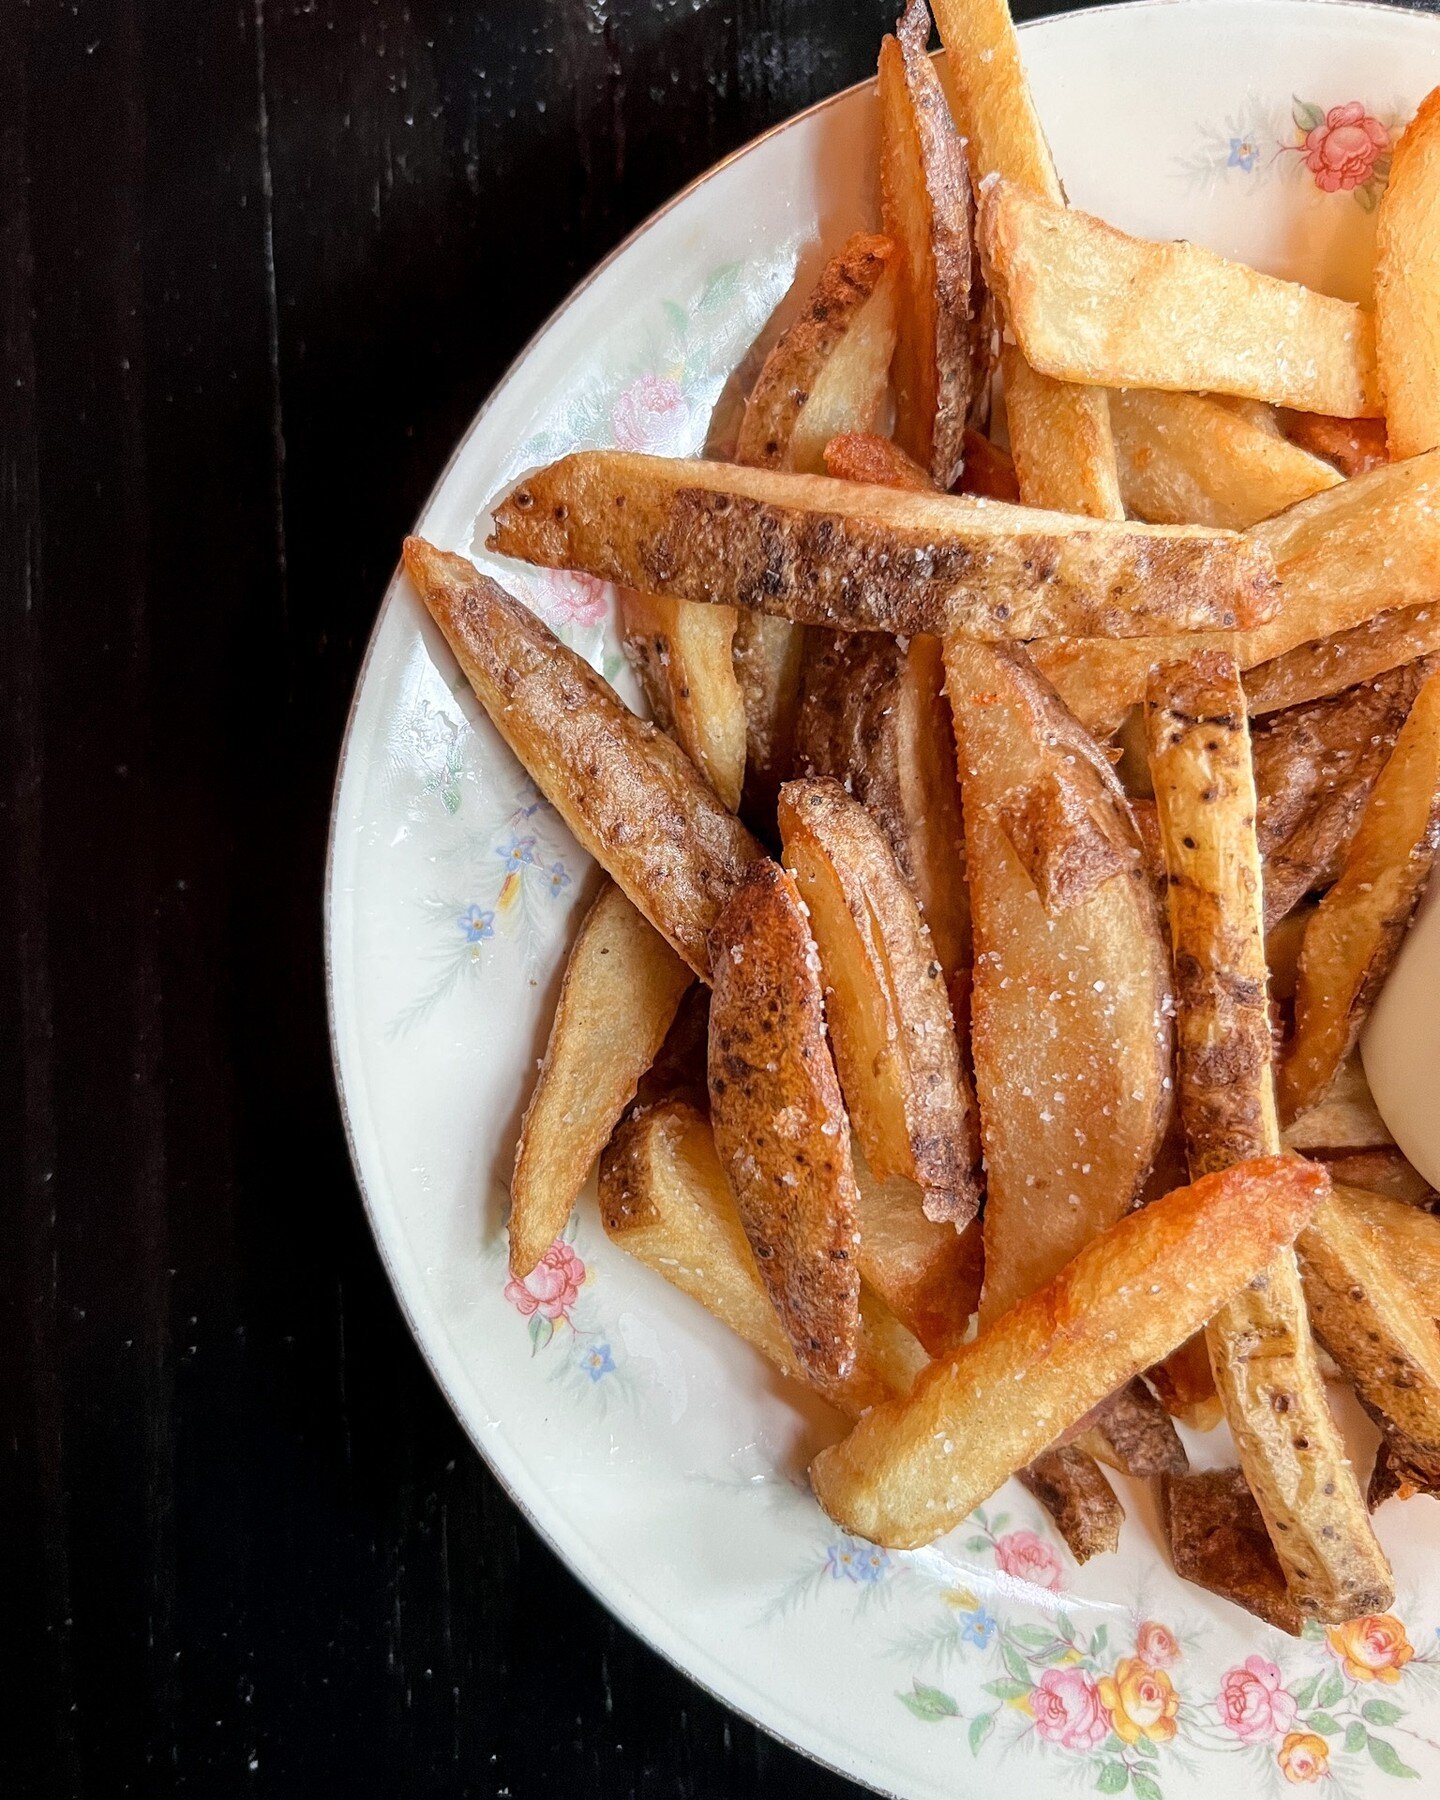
(661, 1458)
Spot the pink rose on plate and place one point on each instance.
(567, 597)
(551, 1286)
(1253, 1704)
(1028, 1558)
(1155, 1644)
(1067, 1709)
(652, 414)
(1341, 153)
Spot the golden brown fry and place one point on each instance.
(1061, 441)
(1071, 1486)
(911, 1469)
(1355, 446)
(1188, 459)
(825, 552)
(926, 205)
(1070, 1036)
(1347, 1118)
(1358, 926)
(664, 1198)
(928, 1274)
(622, 985)
(875, 461)
(1185, 1383)
(1335, 556)
(678, 1069)
(1408, 1232)
(891, 1028)
(873, 715)
(769, 658)
(1218, 1540)
(780, 1123)
(1132, 1432)
(1316, 670)
(989, 470)
(631, 798)
(1407, 285)
(1385, 1172)
(682, 656)
(1260, 1349)
(1088, 303)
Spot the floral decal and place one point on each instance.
(1344, 147)
(1026, 1556)
(551, 1288)
(652, 414)
(1304, 1757)
(1068, 1709)
(1341, 149)
(565, 1323)
(1371, 1649)
(568, 597)
(1252, 1703)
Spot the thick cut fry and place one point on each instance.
(1355, 446)
(1218, 1540)
(632, 799)
(1071, 1486)
(911, 1469)
(1260, 1348)
(1087, 303)
(876, 461)
(928, 1274)
(678, 1070)
(664, 1198)
(780, 1124)
(1329, 665)
(1336, 558)
(769, 660)
(873, 716)
(989, 471)
(827, 372)
(926, 206)
(1356, 931)
(1407, 285)
(1386, 1173)
(825, 552)
(622, 986)
(891, 1028)
(682, 655)
(1409, 1233)
(1071, 1036)
(1060, 435)
(1132, 1432)
(1185, 459)
(1347, 1117)
(1185, 1383)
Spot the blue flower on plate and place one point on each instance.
(977, 1628)
(852, 1559)
(597, 1362)
(1244, 154)
(516, 852)
(477, 924)
(559, 879)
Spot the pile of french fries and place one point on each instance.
(1039, 799)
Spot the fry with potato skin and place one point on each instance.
(875, 461)
(622, 986)
(1407, 285)
(1069, 1484)
(911, 1469)
(824, 552)
(1409, 1233)
(780, 1123)
(1352, 940)
(1346, 1117)
(1219, 1541)
(928, 1274)
(1354, 446)
(1317, 670)
(681, 654)
(1260, 1349)
(630, 797)
(891, 1028)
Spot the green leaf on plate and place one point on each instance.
(977, 1544)
(929, 1703)
(1143, 1747)
(1114, 1778)
(1145, 1787)
(721, 285)
(1386, 1757)
(1332, 1690)
(1016, 1664)
(541, 1331)
(980, 1728)
(1305, 1692)
(1382, 1712)
(1323, 1722)
(1355, 1738)
(1307, 115)
(676, 314)
(1007, 1690)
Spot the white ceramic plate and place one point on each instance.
(662, 1459)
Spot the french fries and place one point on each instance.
(1087, 303)
(1070, 1035)
(1335, 557)
(1072, 1488)
(910, 1469)
(1260, 1350)
(1133, 1433)
(1316, 670)
(1188, 459)
(824, 552)
(622, 986)
(1347, 1117)
(989, 471)
(1355, 446)
(873, 715)
(780, 1124)
(1407, 285)
(630, 796)
(1357, 928)
(1219, 1541)
(1185, 1383)
(926, 206)
(664, 1198)
(877, 461)
(928, 1274)
(1386, 1172)
(682, 656)
(1410, 1233)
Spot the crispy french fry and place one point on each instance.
(1071, 1486)
(926, 205)
(1070, 1035)
(1316, 670)
(1355, 446)
(1218, 1540)
(989, 470)
(1335, 556)
(769, 658)
(1132, 1432)
(825, 552)
(891, 1028)
(1410, 1233)
(632, 799)
(1264, 417)
(873, 715)
(911, 1469)
(622, 985)
(875, 461)
(1185, 1383)
(1187, 459)
(678, 1069)
(682, 656)
(664, 1198)
(1407, 285)
(1385, 1172)
(1088, 303)
(1357, 928)
(1260, 1349)
(1060, 440)
(1346, 1118)
(780, 1123)
(928, 1274)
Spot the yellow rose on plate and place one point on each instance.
(1303, 1757)
(1371, 1649)
(1141, 1701)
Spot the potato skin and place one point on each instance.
(1218, 1540)
(780, 1123)
(681, 655)
(1071, 1486)
(631, 797)
(1327, 666)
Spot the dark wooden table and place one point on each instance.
(260, 264)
